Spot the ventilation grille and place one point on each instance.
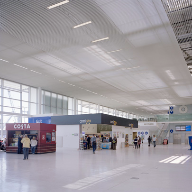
(179, 13)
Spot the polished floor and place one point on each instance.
(164, 168)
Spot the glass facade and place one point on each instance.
(56, 103)
(84, 107)
(17, 102)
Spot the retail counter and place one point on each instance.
(106, 145)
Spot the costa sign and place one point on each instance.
(22, 126)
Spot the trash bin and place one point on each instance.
(190, 142)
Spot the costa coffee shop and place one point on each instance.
(44, 133)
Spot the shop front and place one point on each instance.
(44, 133)
(74, 130)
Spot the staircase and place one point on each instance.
(162, 133)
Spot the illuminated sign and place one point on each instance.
(22, 126)
(113, 122)
(85, 121)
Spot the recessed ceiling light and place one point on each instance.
(20, 66)
(35, 72)
(115, 51)
(80, 25)
(176, 83)
(58, 4)
(4, 60)
(100, 39)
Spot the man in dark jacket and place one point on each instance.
(88, 141)
(19, 145)
(149, 141)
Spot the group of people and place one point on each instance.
(24, 142)
(137, 141)
(93, 142)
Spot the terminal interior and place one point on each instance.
(110, 74)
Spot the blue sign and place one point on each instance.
(46, 120)
(188, 127)
(171, 112)
(146, 133)
(171, 131)
(138, 133)
(171, 108)
(142, 133)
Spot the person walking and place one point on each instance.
(114, 143)
(33, 145)
(149, 141)
(26, 146)
(139, 141)
(135, 142)
(19, 151)
(154, 140)
(94, 144)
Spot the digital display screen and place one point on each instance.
(188, 127)
(183, 128)
(177, 128)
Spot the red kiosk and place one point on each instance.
(45, 134)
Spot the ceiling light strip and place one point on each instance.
(20, 66)
(100, 39)
(4, 60)
(58, 4)
(82, 24)
(35, 72)
(115, 51)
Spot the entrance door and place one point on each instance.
(134, 135)
(176, 138)
(187, 138)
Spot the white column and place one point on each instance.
(39, 100)
(75, 106)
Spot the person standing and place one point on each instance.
(94, 144)
(26, 146)
(154, 140)
(149, 141)
(19, 144)
(135, 142)
(33, 145)
(114, 143)
(88, 141)
(139, 141)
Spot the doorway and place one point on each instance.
(176, 138)
(134, 135)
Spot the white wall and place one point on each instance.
(121, 130)
(65, 136)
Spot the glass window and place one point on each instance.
(59, 101)
(33, 108)
(70, 103)
(70, 112)
(24, 119)
(59, 111)
(105, 110)
(11, 103)
(47, 98)
(25, 93)
(65, 112)
(11, 85)
(48, 137)
(53, 110)
(33, 95)
(93, 108)
(47, 109)
(25, 107)
(11, 94)
(53, 100)
(65, 103)
(110, 111)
